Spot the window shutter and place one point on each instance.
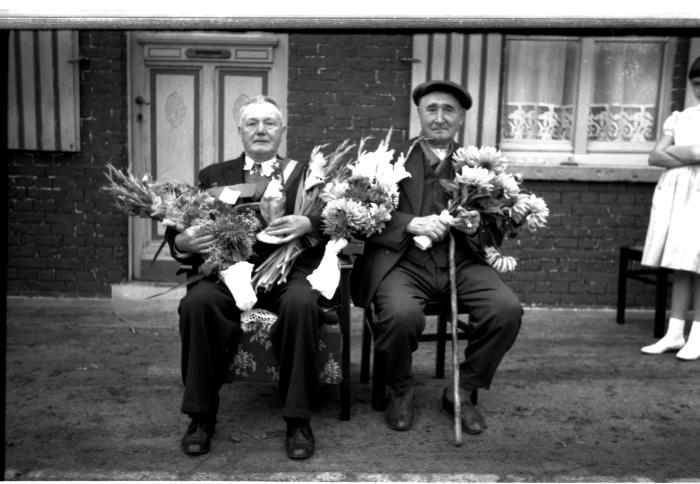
(471, 60)
(43, 87)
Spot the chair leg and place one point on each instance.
(622, 286)
(366, 349)
(379, 398)
(660, 311)
(474, 397)
(440, 344)
(345, 357)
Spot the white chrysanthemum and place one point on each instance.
(532, 210)
(539, 212)
(501, 263)
(508, 183)
(521, 207)
(485, 157)
(391, 190)
(479, 177)
(379, 213)
(466, 154)
(334, 190)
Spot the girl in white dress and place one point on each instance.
(673, 237)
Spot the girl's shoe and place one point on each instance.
(664, 345)
(688, 354)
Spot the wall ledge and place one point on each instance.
(586, 173)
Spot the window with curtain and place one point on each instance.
(583, 95)
(539, 91)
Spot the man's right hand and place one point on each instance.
(432, 226)
(192, 240)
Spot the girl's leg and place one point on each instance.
(680, 301)
(691, 350)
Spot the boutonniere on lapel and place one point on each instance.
(268, 169)
(262, 173)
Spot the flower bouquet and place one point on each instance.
(482, 183)
(358, 201)
(275, 269)
(181, 205)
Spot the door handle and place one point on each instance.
(141, 101)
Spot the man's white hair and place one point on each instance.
(259, 99)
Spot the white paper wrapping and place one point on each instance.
(238, 280)
(326, 277)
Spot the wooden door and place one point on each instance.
(185, 92)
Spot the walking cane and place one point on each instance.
(455, 356)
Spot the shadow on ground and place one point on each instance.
(93, 392)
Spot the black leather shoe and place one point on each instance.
(300, 441)
(399, 412)
(472, 420)
(197, 439)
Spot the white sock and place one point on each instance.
(675, 329)
(691, 350)
(672, 340)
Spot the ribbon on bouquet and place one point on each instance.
(326, 277)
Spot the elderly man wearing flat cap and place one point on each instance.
(397, 278)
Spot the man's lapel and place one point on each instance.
(234, 170)
(413, 186)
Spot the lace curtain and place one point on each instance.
(625, 91)
(541, 82)
(540, 87)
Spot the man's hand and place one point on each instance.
(432, 226)
(289, 227)
(466, 221)
(192, 240)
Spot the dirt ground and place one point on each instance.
(93, 393)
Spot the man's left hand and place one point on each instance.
(466, 221)
(289, 227)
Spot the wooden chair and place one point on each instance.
(658, 277)
(438, 308)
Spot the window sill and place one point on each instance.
(632, 168)
(586, 173)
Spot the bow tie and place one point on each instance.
(265, 167)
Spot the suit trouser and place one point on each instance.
(494, 319)
(210, 326)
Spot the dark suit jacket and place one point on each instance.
(231, 173)
(383, 251)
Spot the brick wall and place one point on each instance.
(347, 86)
(573, 261)
(63, 236)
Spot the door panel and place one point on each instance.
(187, 88)
(235, 88)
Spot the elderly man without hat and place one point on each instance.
(210, 321)
(396, 277)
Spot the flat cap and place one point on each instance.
(443, 86)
